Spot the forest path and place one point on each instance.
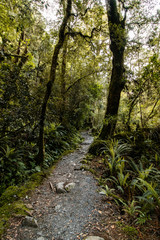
(65, 216)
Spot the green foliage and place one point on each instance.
(142, 173)
(151, 194)
(110, 192)
(25, 59)
(115, 153)
(77, 101)
(59, 139)
(142, 218)
(130, 231)
(12, 167)
(134, 183)
(96, 147)
(120, 181)
(17, 164)
(132, 209)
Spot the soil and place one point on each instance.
(72, 215)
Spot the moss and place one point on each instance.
(11, 203)
(130, 231)
(96, 147)
(10, 195)
(20, 209)
(38, 177)
(16, 208)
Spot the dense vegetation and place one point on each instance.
(54, 81)
(26, 54)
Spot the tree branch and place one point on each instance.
(73, 34)
(152, 111)
(9, 55)
(78, 80)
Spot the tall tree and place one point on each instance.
(118, 41)
(40, 157)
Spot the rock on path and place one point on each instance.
(94, 238)
(64, 216)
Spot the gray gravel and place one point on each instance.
(64, 216)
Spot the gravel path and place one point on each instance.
(65, 216)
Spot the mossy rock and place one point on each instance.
(97, 147)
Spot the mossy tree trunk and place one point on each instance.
(40, 157)
(117, 46)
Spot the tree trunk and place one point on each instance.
(63, 82)
(40, 157)
(117, 46)
(21, 39)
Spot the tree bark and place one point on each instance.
(117, 46)
(40, 157)
(63, 82)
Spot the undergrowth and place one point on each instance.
(18, 157)
(19, 173)
(131, 175)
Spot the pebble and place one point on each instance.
(94, 238)
(60, 187)
(41, 238)
(70, 186)
(57, 207)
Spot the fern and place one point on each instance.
(151, 190)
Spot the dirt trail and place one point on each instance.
(67, 216)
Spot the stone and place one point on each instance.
(70, 186)
(60, 187)
(57, 207)
(94, 238)
(29, 222)
(40, 233)
(41, 238)
(29, 206)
